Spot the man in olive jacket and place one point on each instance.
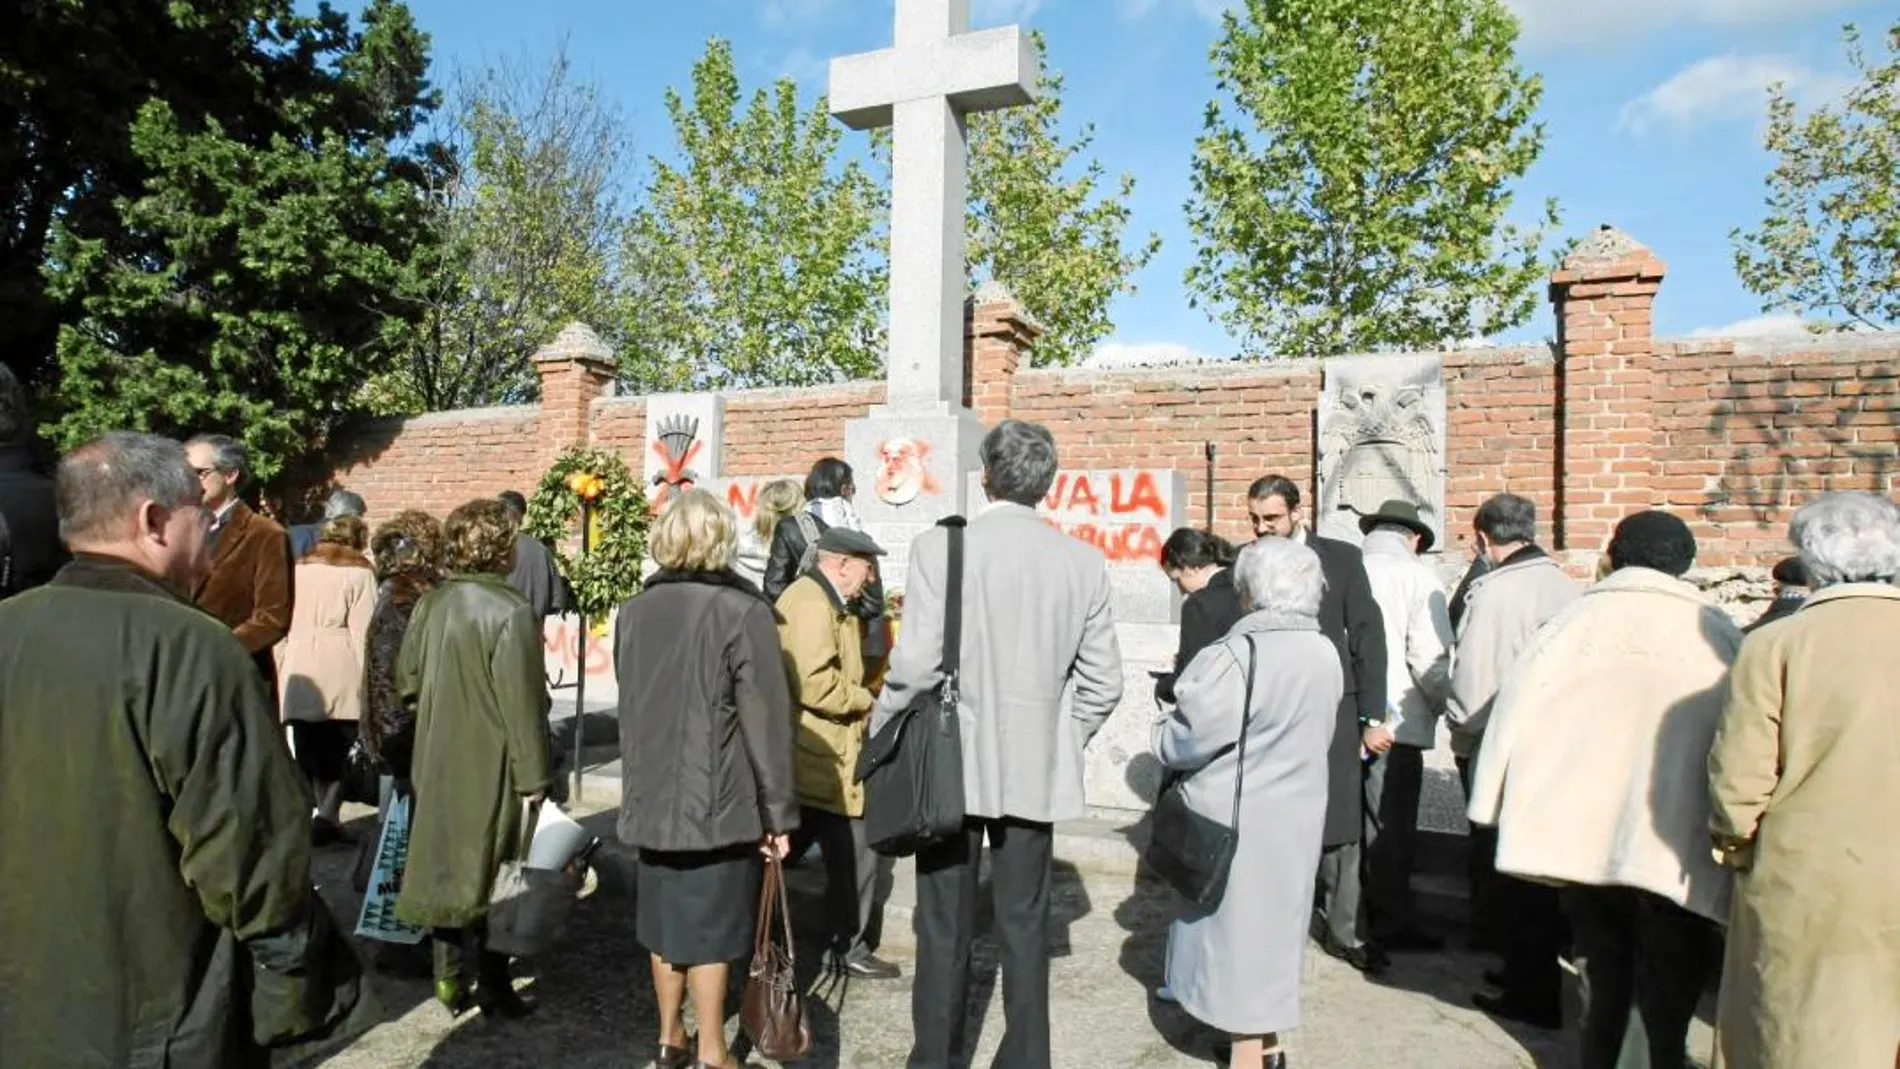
(156, 904)
(824, 653)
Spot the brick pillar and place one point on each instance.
(575, 369)
(998, 335)
(1603, 296)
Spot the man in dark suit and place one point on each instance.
(1349, 616)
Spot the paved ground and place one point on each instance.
(596, 1000)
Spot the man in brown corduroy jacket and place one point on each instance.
(249, 584)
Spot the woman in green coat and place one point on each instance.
(471, 667)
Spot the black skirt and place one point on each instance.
(700, 907)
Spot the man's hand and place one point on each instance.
(776, 846)
(536, 798)
(1377, 739)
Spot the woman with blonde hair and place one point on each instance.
(320, 663)
(706, 724)
(777, 500)
(471, 668)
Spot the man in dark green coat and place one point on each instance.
(472, 668)
(156, 907)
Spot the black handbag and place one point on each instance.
(912, 768)
(1191, 852)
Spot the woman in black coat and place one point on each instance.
(1200, 564)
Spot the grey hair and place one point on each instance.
(1019, 462)
(1280, 576)
(101, 482)
(343, 503)
(228, 455)
(1848, 537)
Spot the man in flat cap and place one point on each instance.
(824, 654)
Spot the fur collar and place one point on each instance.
(335, 556)
(727, 578)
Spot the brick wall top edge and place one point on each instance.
(853, 389)
(455, 415)
(1838, 346)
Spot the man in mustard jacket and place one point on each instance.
(824, 654)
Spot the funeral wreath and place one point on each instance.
(593, 486)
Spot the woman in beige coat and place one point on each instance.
(1805, 774)
(320, 663)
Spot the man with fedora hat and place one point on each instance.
(823, 640)
(1418, 640)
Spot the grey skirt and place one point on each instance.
(699, 907)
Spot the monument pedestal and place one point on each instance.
(912, 465)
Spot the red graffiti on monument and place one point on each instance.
(1121, 513)
(557, 638)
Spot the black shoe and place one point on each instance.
(1224, 1052)
(495, 992)
(326, 832)
(1511, 1009)
(1495, 978)
(1412, 941)
(1361, 957)
(869, 967)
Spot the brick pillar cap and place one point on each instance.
(994, 292)
(1608, 253)
(576, 343)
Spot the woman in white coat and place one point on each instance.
(1238, 966)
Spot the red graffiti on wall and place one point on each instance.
(1121, 513)
(559, 639)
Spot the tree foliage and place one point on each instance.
(250, 269)
(1829, 247)
(753, 262)
(1352, 191)
(1041, 224)
(529, 223)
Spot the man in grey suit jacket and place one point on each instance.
(1041, 672)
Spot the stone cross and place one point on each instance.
(937, 73)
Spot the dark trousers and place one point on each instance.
(854, 907)
(1020, 854)
(1481, 872)
(1338, 897)
(1638, 951)
(1531, 925)
(1393, 783)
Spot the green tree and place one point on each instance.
(1829, 247)
(1040, 223)
(529, 223)
(261, 265)
(753, 262)
(1352, 192)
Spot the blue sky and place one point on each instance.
(1654, 109)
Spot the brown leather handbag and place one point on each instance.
(773, 1014)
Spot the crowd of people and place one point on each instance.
(188, 692)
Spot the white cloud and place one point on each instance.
(784, 14)
(1571, 23)
(1001, 12)
(1715, 89)
(804, 68)
(1147, 354)
(1767, 326)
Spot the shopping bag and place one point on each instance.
(378, 918)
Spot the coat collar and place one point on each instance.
(1256, 622)
(1843, 591)
(1648, 580)
(726, 578)
(335, 555)
(236, 523)
(831, 592)
(98, 571)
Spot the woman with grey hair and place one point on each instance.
(1278, 679)
(1801, 773)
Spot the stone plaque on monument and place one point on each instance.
(1381, 436)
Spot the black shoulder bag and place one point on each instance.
(1191, 852)
(912, 769)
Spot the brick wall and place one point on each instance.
(1732, 435)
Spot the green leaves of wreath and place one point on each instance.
(609, 574)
